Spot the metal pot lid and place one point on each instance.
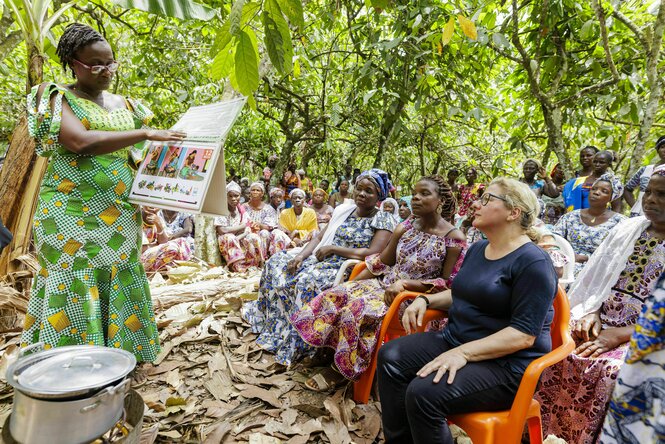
(70, 370)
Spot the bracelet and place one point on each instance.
(425, 298)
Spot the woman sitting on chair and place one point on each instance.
(585, 229)
(291, 278)
(297, 222)
(498, 323)
(423, 255)
(606, 300)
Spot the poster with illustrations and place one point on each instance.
(189, 176)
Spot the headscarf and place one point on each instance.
(276, 190)
(232, 186)
(553, 170)
(615, 183)
(407, 201)
(325, 194)
(380, 180)
(258, 184)
(392, 201)
(297, 191)
(538, 164)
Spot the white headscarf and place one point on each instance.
(232, 186)
(260, 185)
(395, 211)
(297, 191)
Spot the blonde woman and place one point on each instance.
(498, 323)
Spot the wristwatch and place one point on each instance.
(425, 298)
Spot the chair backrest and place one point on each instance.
(339, 278)
(567, 250)
(559, 329)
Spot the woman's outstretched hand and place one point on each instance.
(165, 135)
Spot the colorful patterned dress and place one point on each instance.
(635, 414)
(347, 318)
(272, 241)
(240, 251)
(574, 393)
(281, 294)
(91, 287)
(583, 238)
(159, 257)
(467, 195)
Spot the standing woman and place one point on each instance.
(640, 180)
(320, 206)
(586, 160)
(543, 185)
(91, 288)
(576, 191)
(468, 193)
(404, 211)
(423, 255)
(263, 221)
(554, 207)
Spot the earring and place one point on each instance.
(439, 209)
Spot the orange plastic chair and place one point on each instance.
(487, 427)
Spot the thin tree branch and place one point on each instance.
(633, 27)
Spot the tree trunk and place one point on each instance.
(655, 94)
(421, 150)
(387, 126)
(554, 124)
(20, 179)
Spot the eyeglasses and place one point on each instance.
(485, 198)
(97, 69)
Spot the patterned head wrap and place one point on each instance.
(260, 185)
(274, 191)
(615, 183)
(659, 170)
(380, 180)
(297, 191)
(325, 194)
(232, 186)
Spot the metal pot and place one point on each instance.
(68, 395)
(66, 422)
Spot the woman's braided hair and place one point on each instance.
(445, 192)
(75, 37)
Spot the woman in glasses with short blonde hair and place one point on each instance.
(91, 287)
(498, 323)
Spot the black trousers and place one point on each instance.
(414, 409)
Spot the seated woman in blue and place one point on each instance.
(498, 323)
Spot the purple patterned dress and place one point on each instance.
(574, 394)
(348, 317)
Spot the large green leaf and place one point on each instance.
(293, 11)
(277, 37)
(247, 66)
(182, 9)
(222, 64)
(235, 17)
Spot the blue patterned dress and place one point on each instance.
(281, 294)
(583, 238)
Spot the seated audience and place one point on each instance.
(263, 220)
(390, 206)
(498, 323)
(585, 229)
(168, 236)
(239, 246)
(290, 279)
(297, 222)
(606, 300)
(635, 414)
(424, 254)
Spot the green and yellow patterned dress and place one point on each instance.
(91, 288)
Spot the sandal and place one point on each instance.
(326, 380)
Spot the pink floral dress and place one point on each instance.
(348, 317)
(240, 250)
(274, 240)
(574, 394)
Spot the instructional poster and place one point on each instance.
(189, 176)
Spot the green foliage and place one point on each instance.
(182, 9)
